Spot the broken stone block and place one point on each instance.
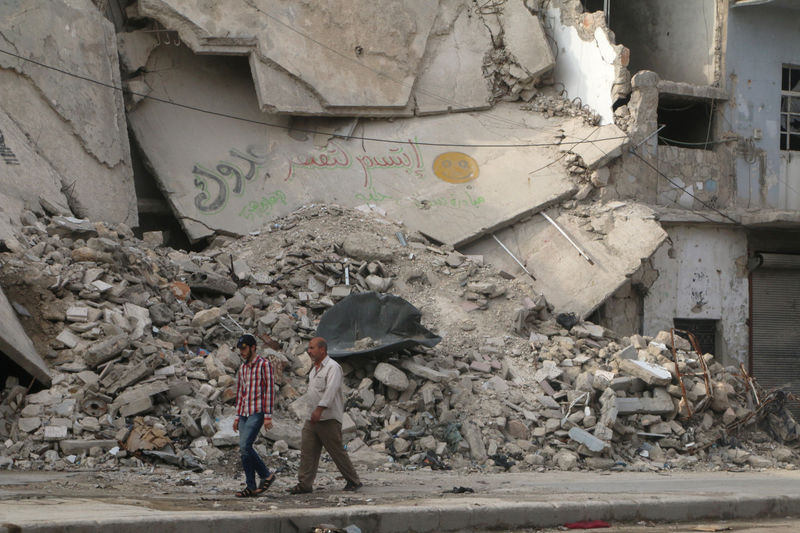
(392, 377)
(517, 429)
(566, 460)
(496, 384)
(77, 314)
(647, 372)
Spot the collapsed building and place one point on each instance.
(639, 179)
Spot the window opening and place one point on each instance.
(703, 329)
(790, 109)
(688, 122)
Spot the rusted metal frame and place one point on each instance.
(678, 373)
(705, 374)
(748, 381)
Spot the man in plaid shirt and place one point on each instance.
(255, 396)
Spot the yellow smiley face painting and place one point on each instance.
(455, 167)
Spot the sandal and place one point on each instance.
(266, 483)
(247, 493)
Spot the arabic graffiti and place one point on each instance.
(7, 155)
(456, 201)
(213, 184)
(406, 157)
(263, 207)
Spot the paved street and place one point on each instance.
(398, 502)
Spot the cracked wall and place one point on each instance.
(590, 66)
(701, 276)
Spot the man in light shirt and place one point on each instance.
(324, 425)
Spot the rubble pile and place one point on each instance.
(139, 338)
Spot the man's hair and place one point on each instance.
(321, 342)
(246, 340)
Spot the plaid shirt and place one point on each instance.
(255, 391)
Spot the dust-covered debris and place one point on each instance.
(139, 338)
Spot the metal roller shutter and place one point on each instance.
(775, 323)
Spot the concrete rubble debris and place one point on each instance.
(151, 372)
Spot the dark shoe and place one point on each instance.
(297, 489)
(247, 493)
(266, 483)
(352, 487)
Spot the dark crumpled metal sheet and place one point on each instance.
(392, 322)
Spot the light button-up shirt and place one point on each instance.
(325, 390)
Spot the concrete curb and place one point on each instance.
(432, 516)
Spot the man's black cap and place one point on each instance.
(246, 340)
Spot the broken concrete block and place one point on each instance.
(647, 372)
(67, 338)
(207, 424)
(209, 283)
(29, 425)
(78, 447)
(52, 433)
(665, 338)
(629, 352)
(392, 377)
(427, 372)
(106, 349)
(188, 422)
(141, 405)
(481, 366)
(472, 435)
(77, 314)
(660, 404)
(206, 317)
(225, 435)
(591, 442)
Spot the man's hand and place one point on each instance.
(267, 423)
(236, 424)
(317, 414)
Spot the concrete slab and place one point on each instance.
(525, 38)
(341, 53)
(77, 126)
(451, 74)
(25, 176)
(230, 175)
(16, 344)
(617, 238)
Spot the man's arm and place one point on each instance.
(238, 399)
(269, 394)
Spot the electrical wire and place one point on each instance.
(304, 130)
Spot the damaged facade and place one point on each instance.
(629, 161)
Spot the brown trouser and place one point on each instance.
(327, 433)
